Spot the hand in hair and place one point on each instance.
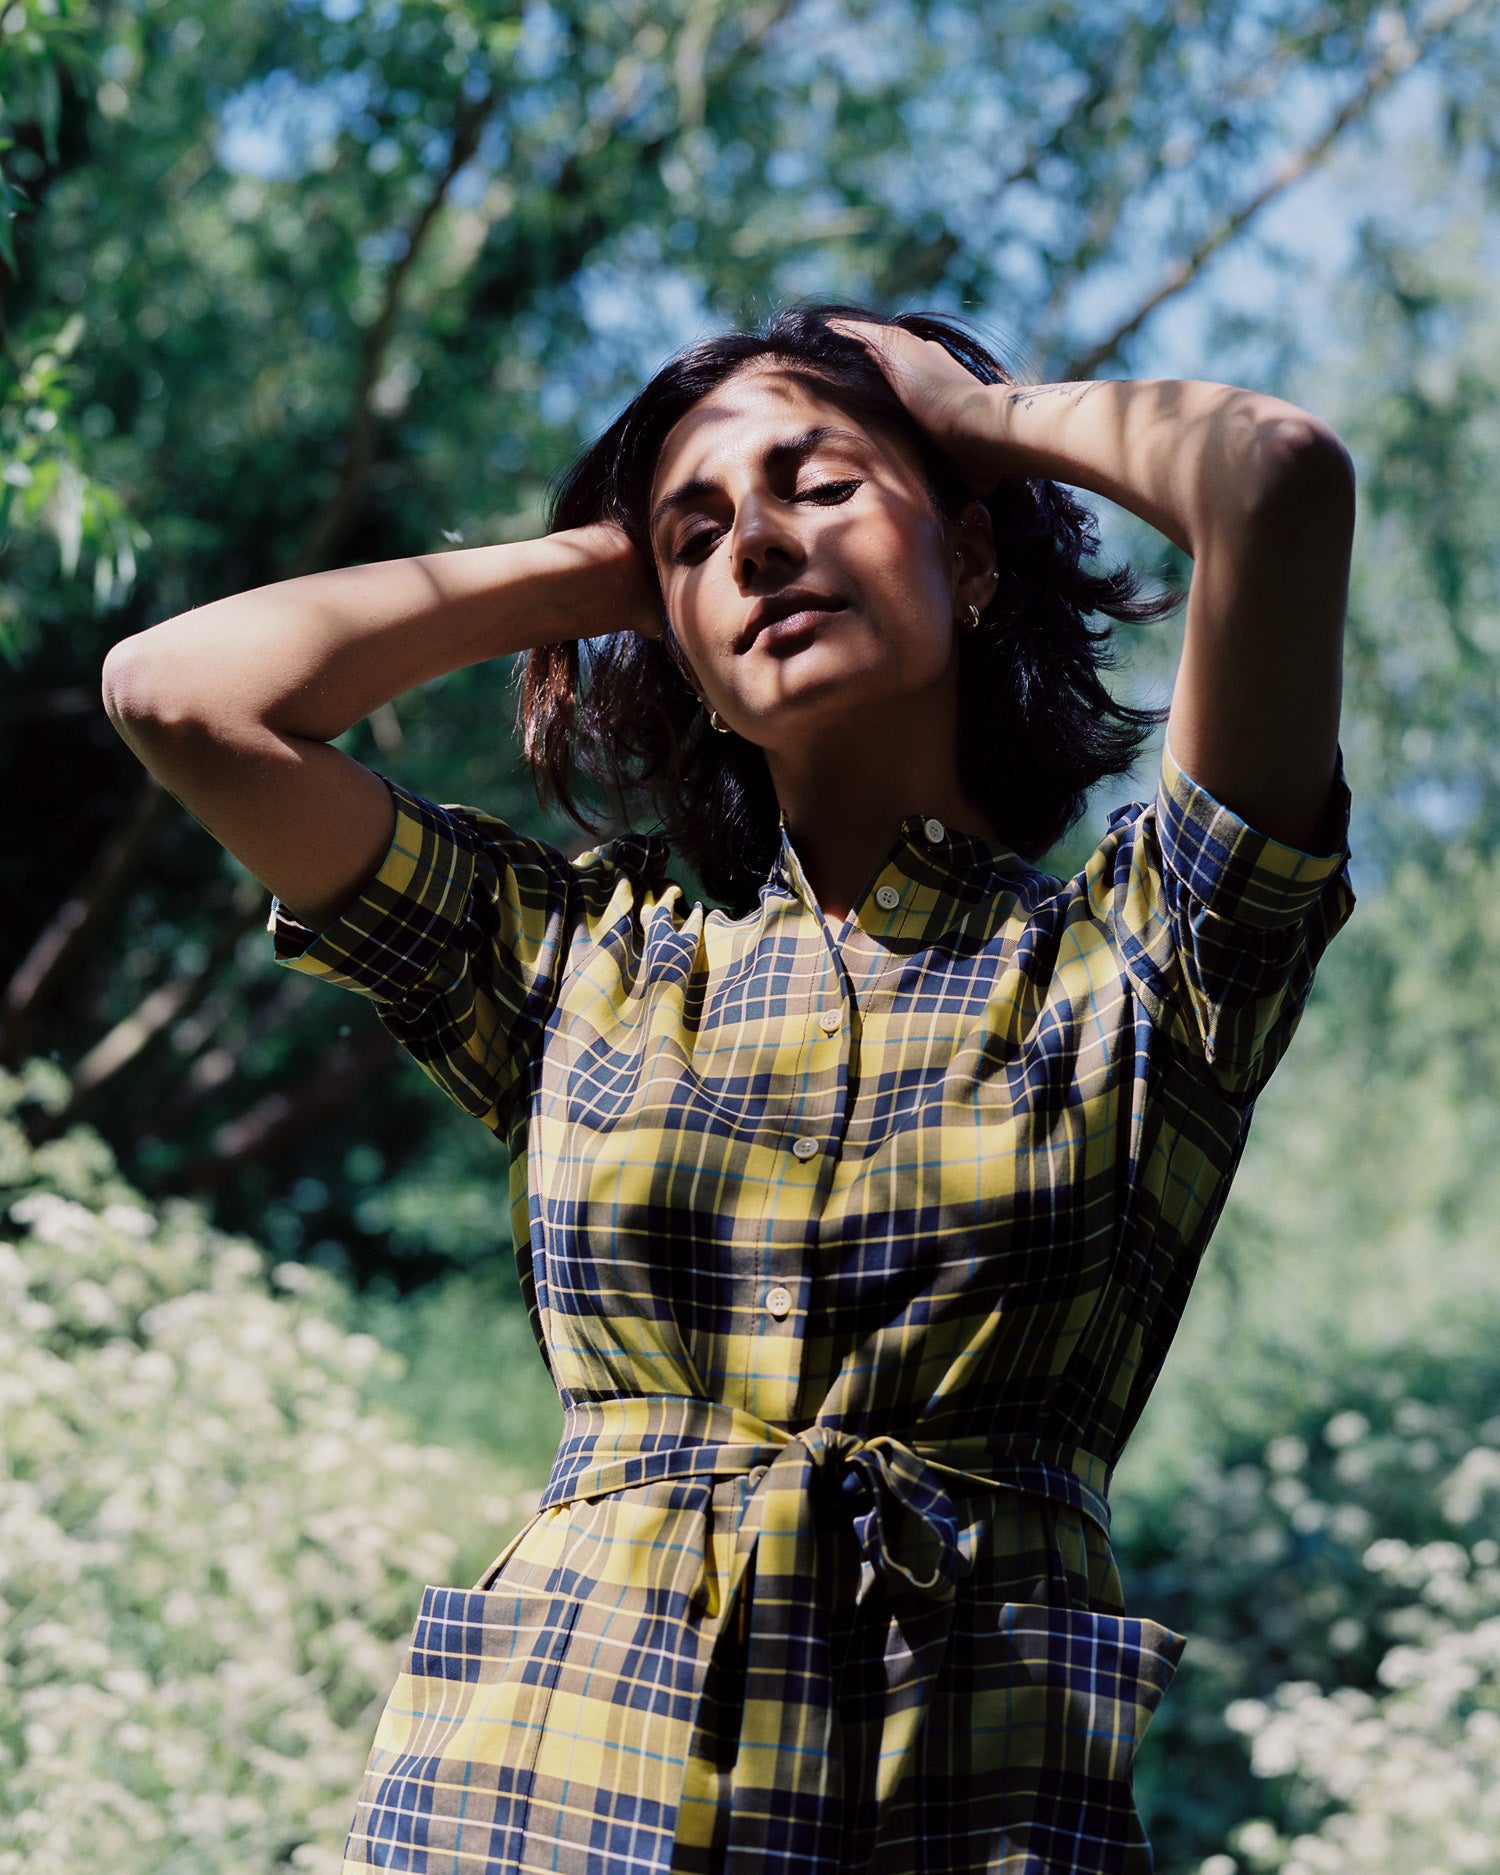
(234, 706)
(625, 596)
(941, 395)
(1257, 492)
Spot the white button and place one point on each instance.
(779, 1301)
(887, 897)
(934, 829)
(806, 1149)
(829, 1020)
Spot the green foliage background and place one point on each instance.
(283, 286)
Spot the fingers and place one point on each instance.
(908, 361)
(882, 340)
(860, 329)
(879, 340)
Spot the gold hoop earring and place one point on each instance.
(717, 723)
(970, 620)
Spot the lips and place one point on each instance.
(783, 605)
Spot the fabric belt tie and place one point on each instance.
(766, 1750)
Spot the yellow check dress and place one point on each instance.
(854, 1255)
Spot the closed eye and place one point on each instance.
(828, 493)
(694, 546)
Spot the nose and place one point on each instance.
(763, 543)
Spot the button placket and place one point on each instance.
(807, 1125)
(821, 1116)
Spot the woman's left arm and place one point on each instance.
(1261, 496)
(1259, 493)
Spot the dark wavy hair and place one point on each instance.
(1037, 730)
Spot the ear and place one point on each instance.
(972, 539)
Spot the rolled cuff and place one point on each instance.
(1233, 870)
(400, 934)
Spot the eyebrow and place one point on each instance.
(791, 449)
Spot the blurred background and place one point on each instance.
(286, 286)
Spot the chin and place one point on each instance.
(831, 702)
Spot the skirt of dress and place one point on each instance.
(547, 1720)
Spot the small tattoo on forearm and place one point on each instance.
(1026, 395)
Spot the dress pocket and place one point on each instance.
(1060, 1699)
(450, 1775)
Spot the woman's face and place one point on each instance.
(806, 575)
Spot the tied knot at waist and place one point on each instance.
(897, 1494)
(766, 1726)
(906, 1523)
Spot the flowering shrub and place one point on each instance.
(1339, 1581)
(1413, 1768)
(209, 1553)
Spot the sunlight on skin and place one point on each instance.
(765, 489)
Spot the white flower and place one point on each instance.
(1346, 1428)
(1258, 1840)
(130, 1219)
(210, 1554)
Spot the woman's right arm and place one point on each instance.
(232, 706)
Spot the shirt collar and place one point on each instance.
(930, 880)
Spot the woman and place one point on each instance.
(854, 1219)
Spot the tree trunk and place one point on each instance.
(282, 1116)
(64, 939)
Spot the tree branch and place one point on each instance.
(281, 1116)
(209, 1064)
(65, 936)
(624, 82)
(690, 62)
(322, 545)
(1399, 56)
(1261, 78)
(164, 1005)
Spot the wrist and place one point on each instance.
(608, 586)
(978, 434)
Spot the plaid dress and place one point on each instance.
(854, 1256)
